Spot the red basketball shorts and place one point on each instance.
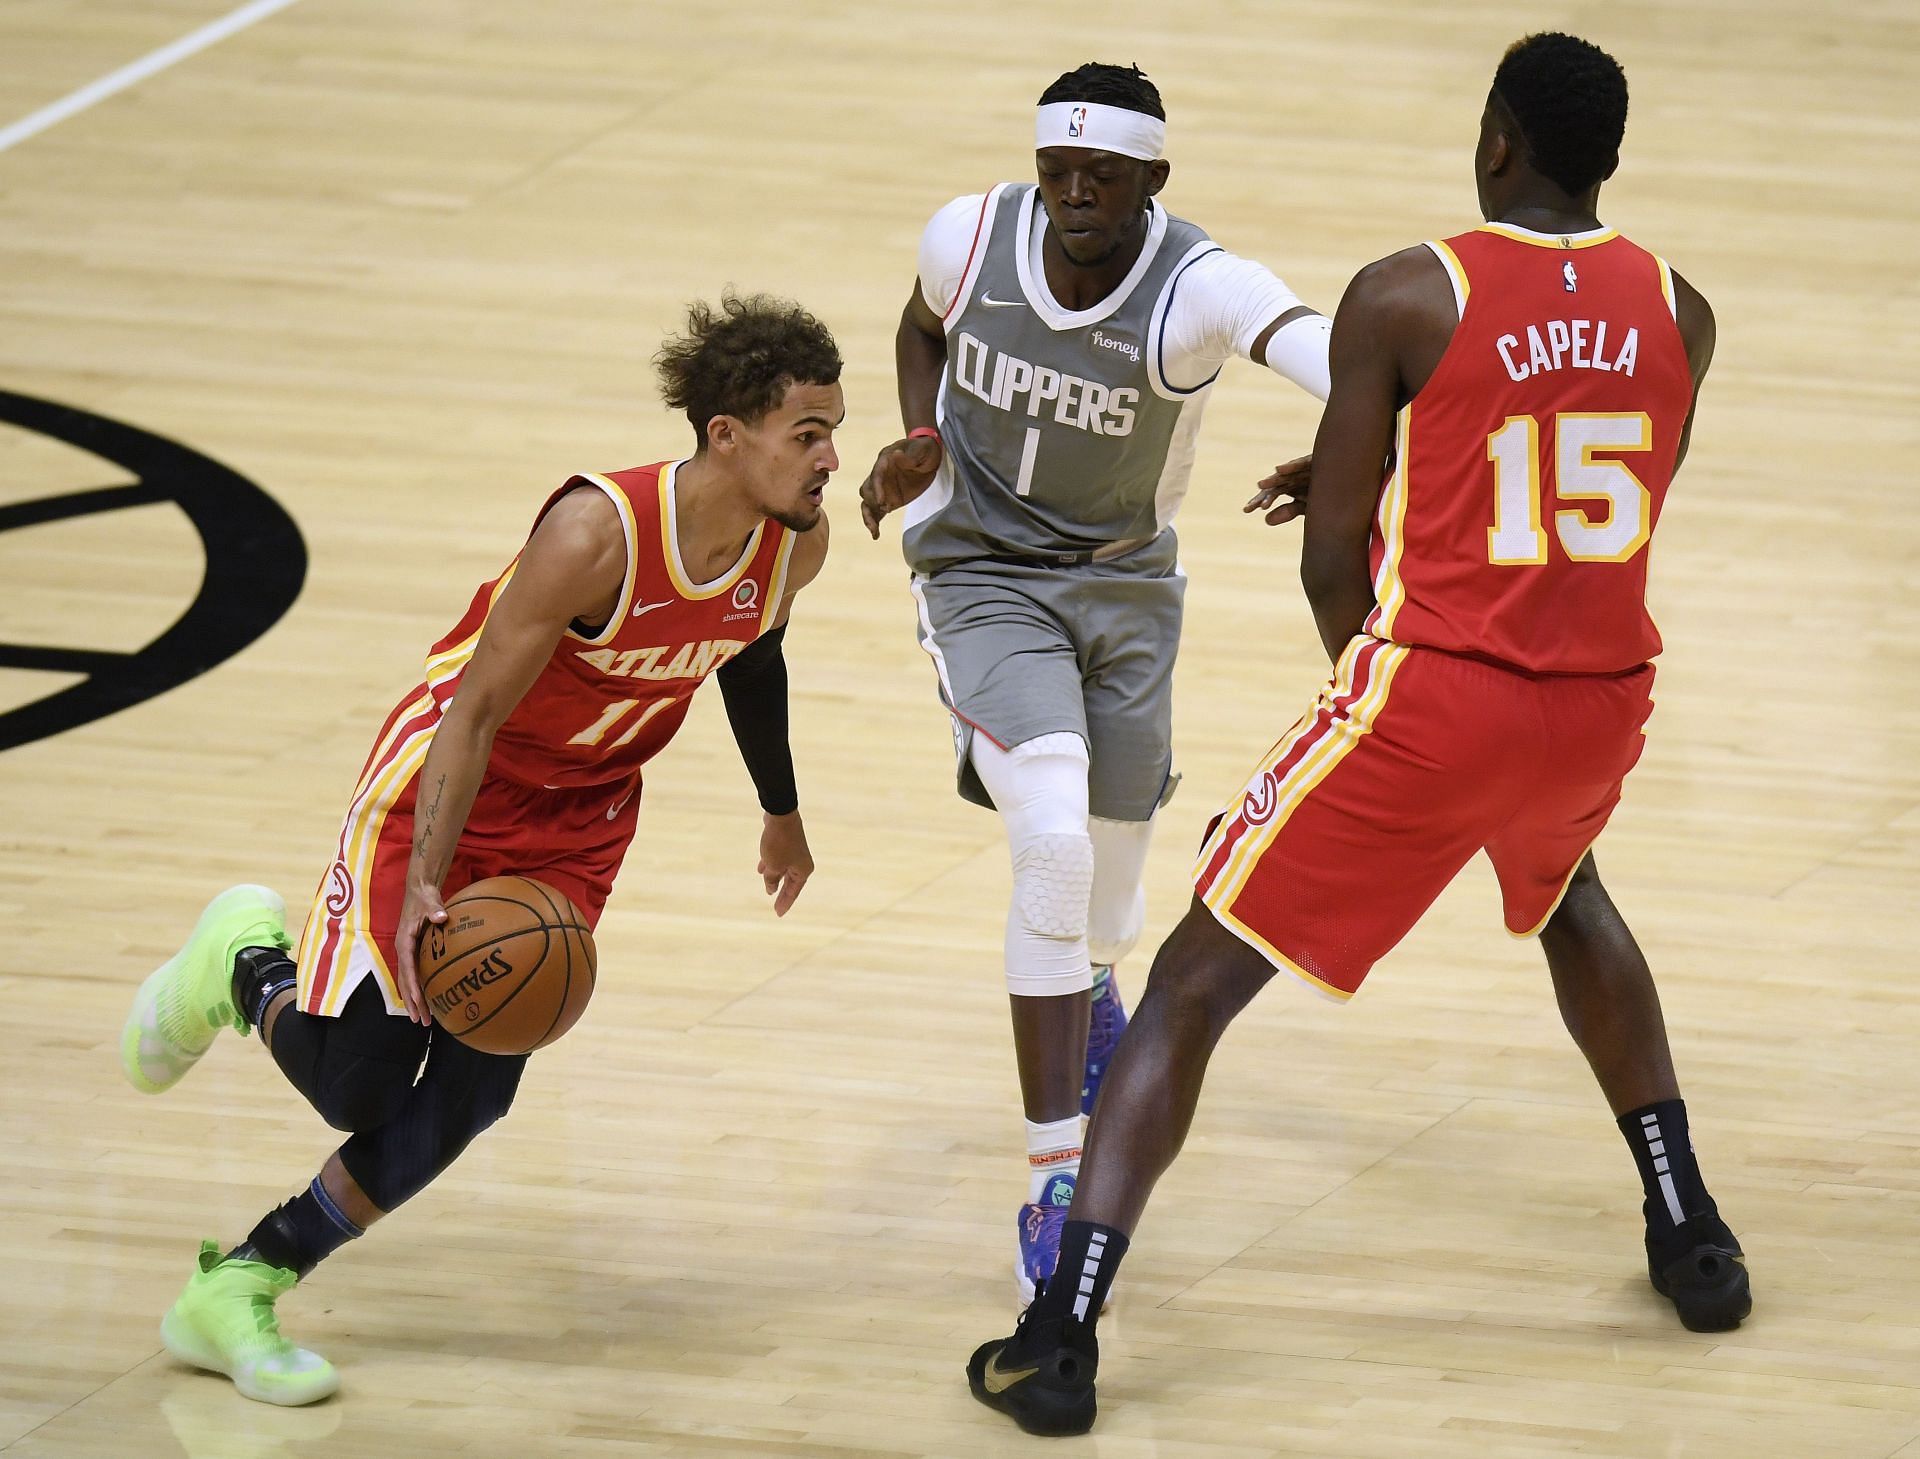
(573, 839)
(1410, 761)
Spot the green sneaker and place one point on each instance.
(224, 1322)
(180, 1008)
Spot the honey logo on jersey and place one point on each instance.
(687, 661)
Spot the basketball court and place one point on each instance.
(401, 269)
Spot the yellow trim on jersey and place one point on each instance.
(1550, 240)
(380, 751)
(1273, 954)
(1559, 897)
(1461, 288)
(629, 524)
(361, 834)
(443, 665)
(1389, 592)
(1666, 287)
(1341, 737)
(670, 549)
(777, 581)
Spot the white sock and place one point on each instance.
(1052, 1149)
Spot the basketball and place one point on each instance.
(511, 968)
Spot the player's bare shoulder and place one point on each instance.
(1697, 327)
(581, 541)
(1412, 284)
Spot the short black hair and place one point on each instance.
(1126, 87)
(739, 359)
(1569, 99)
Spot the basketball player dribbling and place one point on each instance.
(1531, 385)
(520, 753)
(1054, 358)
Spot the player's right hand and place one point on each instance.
(421, 909)
(900, 473)
(1289, 481)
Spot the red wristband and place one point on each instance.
(925, 431)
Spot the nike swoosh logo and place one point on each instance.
(989, 302)
(999, 1380)
(640, 608)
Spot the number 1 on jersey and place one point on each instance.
(1515, 539)
(1023, 485)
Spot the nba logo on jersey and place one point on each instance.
(1077, 122)
(1572, 278)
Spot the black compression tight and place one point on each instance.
(358, 1072)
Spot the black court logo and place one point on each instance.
(256, 564)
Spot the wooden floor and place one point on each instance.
(403, 265)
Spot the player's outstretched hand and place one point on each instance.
(900, 473)
(785, 862)
(421, 910)
(1283, 495)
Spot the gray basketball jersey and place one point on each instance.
(1062, 435)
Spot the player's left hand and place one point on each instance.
(1289, 482)
(785, 862)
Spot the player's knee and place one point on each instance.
(364, 1099)
(494, 1091)
(1201, 979)
(1052, 880)
(1113, 925)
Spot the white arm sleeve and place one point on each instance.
(1298, 353)
(1219, 308)
(945, 247)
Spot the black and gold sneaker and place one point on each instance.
(1700, 1268)
(1041, 1377)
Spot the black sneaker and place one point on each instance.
(1700, 1269)
(1041, 1377)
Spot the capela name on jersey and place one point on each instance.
(1007, 382)
(1579, 343)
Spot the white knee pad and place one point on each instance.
(1040, 788)
(1117, 907)
(1052, 882)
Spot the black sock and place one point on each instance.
(300, 1234)
(1089, 1256)
(260, 974)
(1675, 1193)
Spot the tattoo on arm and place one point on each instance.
(431, 814)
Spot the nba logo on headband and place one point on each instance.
(1129, 133)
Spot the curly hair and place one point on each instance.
(1126, 87)
(739, 359)
(1569, 99)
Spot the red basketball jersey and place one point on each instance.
(1529, 472)
(606, 703)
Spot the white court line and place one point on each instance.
(138, 71)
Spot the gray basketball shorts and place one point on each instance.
(1025, 650)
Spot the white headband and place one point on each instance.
(1103, 128)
